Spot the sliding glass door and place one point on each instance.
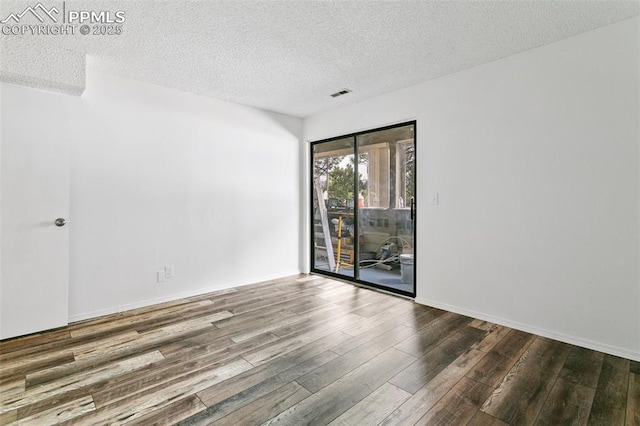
(333, 207)
(363, 195)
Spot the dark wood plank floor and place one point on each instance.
(307, 350)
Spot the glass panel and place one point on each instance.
(333, 206)
(385, 220)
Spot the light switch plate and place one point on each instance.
(434, 198)
(168, 271)
(160, 276)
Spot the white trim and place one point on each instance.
(175, 296)
(589, 344)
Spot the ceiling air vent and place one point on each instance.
(340, 93)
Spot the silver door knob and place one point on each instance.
(60, 221)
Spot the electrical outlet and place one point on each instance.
(168, 271)
(161, 276)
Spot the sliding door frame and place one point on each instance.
(356, 270)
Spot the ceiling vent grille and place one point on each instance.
(340, 93)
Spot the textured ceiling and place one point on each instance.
(289, 56)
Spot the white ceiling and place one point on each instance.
(289, 56)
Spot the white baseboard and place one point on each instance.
(175, 296)
(596, 346)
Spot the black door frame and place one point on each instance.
(356, 278)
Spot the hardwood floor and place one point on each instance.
(307, 350)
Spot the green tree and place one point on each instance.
(324, 166)
(410, 167)
(341, 183)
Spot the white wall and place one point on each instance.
(2, 299)
(160, 177)
(536, 160)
